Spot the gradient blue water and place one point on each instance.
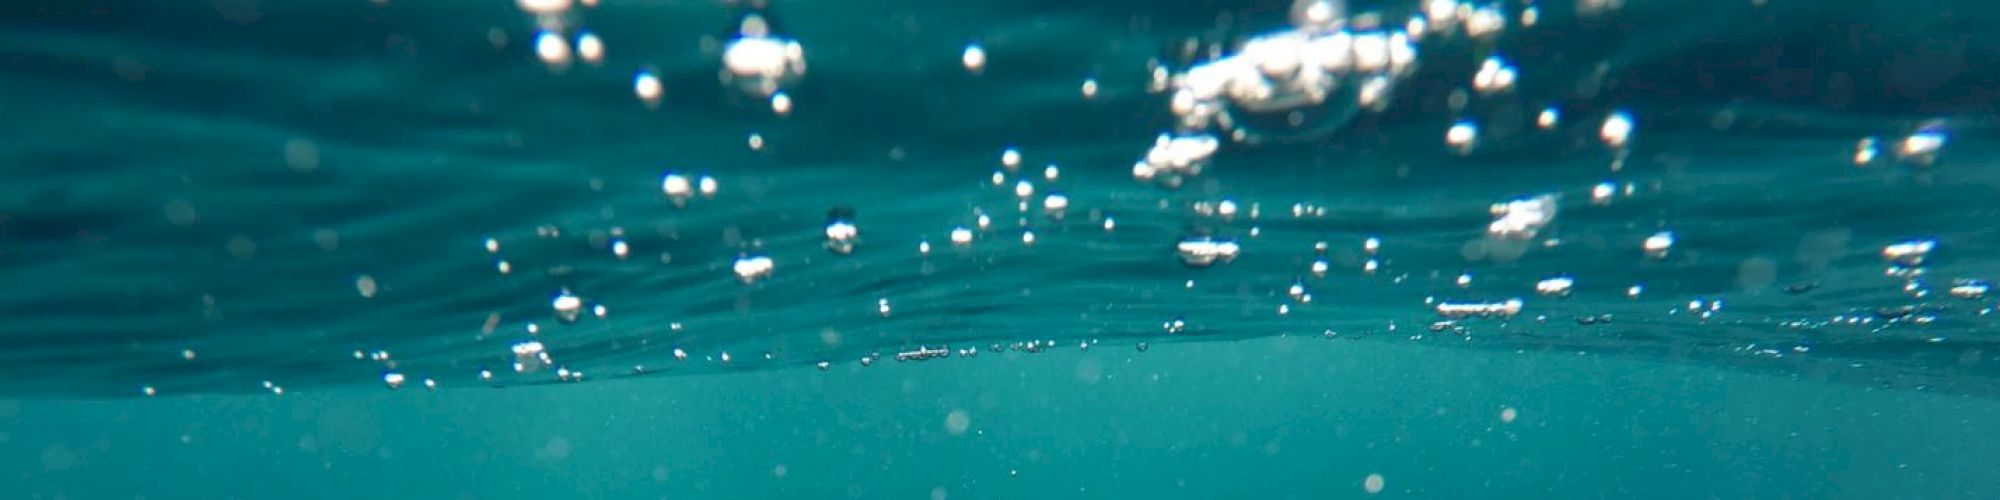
(151, 211)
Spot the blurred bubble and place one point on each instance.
(647, 87)
(552, 49)
(751, 268)
(974, 58)
(590, 48)
(758, 61)
(1202, 251)
(1617, 129)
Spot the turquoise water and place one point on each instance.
(263, 250)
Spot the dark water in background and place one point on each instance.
(196, 192)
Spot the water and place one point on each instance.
(1640, 252)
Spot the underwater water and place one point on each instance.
(881, 249)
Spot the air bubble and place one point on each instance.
(1617, 130)
(752, 268)
(758, 61)
(1461, 136)
(678, 188)
(1203, 251)
(590, 48)
(1657, 245)
(648, 88)
(567, 307)
(973, 58)
(1557, 286)
(552, 49)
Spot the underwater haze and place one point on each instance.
(1032, 249)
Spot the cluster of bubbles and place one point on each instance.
(1326, 62)
(559, 39)
(760, 62)
(1319, 72)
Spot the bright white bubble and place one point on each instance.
(974, 58)
(590, 48)
(552, 49)
(648, 88)
(1617, 129)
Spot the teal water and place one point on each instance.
(263, 250)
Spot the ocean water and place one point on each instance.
(1033, 249)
